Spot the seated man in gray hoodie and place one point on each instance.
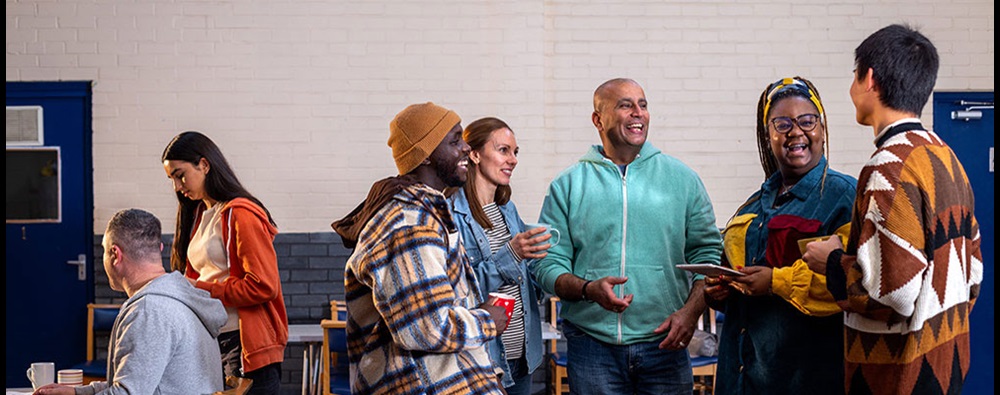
(163, 341)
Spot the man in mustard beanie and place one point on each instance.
(415, 324)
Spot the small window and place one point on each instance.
(24, 125)
(33, 185)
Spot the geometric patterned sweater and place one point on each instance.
(911, 270)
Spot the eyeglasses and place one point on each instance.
(806, 123)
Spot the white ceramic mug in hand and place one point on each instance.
(41, 373)
(554, 241)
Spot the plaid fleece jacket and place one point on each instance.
(413, 326)
(912, 268)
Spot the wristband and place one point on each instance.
(583, 291)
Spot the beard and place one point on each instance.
(450, 173)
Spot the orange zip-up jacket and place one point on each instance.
(253, 286)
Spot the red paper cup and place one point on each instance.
(505, 301)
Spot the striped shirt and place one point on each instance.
(412, 322)
(499, 235)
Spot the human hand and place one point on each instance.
(602, 292)
(55, 389)
(818, 251)
(679, 327)
(528, 245)
(498, 314)
(757, 280)
(717, 288)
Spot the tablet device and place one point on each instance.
(710, 270)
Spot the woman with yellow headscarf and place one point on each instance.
(783, 332)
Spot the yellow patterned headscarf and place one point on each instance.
(786, 84)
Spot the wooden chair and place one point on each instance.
(338, 310)
(100, 319)
(335, 378)
(703, 368)
(236, 386)
(557, 360)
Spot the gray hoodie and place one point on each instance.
(164, 342)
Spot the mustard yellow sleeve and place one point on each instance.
(734, 240)
(805, 289)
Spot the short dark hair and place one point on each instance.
(137, 232)
(905, 65)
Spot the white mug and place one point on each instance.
(554, 241)
(41, 373)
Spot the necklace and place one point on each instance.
(784, 189)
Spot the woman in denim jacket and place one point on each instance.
(784, 331)
(500, 249)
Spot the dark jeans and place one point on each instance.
(522, 380)
(595, 367)
(266, 380)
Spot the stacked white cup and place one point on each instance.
(70, 377)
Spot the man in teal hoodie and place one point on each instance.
(628, 214)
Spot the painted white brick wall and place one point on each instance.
(299, 94)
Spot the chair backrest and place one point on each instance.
(334, 351)
(555, 306)
(100, 318)
(708, 318)
(338, 310)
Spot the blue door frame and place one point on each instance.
(46, 300)
(972, 141)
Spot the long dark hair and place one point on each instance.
(476, 134)
(221, 185)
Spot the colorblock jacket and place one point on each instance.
(253, 285)
(639, 225)
(790, 342)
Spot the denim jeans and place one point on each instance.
(522, 380)
(595, 367)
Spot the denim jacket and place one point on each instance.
(495, 270)
(767, 344)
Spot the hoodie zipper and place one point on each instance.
(621, 265)
(621, 289)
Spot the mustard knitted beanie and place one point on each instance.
(416, 131)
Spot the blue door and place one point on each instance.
(49, 224)
(970, 135)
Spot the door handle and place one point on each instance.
(81, 266)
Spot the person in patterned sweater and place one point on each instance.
(911, 271)
(415, 323)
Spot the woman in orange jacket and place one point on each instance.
(224, 244)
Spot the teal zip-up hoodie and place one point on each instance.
(637, 225)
